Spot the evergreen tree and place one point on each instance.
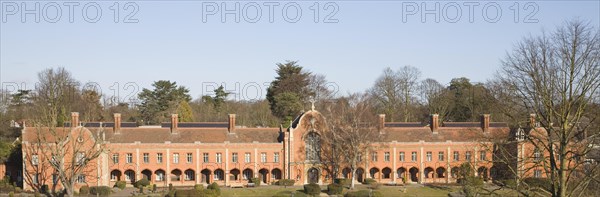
(288, 91)
(159, 103)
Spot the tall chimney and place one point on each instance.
(434, 123)
(485, 122)
(74, 119)
(117, 125)
(532, 122)
(174, 123)
(381, 121)
(231, 127)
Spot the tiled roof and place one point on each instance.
(456, 134)
(184, 135)
(191, 135)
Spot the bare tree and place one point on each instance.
(436, 97)
(64, 153)
(55, 150)
(556, 76)
(394, 92)
(352, 131)
(57, 88)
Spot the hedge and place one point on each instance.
(100, 190)
(334, 188)
(312, 189)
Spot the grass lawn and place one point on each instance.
(412, 190)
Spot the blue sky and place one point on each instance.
(171, 41)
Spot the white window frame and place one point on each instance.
(129, 158)
(189, 158)
(175, 157)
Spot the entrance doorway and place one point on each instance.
(313, 175)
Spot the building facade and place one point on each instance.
(185, 154)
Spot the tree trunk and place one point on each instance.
(353, 166)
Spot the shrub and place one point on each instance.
(36, 194)
(84, 190)
(121, 184)
(100, 190)
(256, 181)
(153, 187)
(215, 187)
(170, 186)
(18, 190)
(364, 193)
(143, 182)
(44, 189)
(334, 188)
(312, 189)
(285, 182)
(342, 181)
(11, 194)
(369, 181)
(198, 187)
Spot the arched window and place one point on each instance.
(313, 146)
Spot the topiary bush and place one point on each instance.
(285, 182)
(100, 190)
(312, 189)
(142, 182)
(120, 184)
(199, 187)
(84, 190)
(334, 188)
(256, 181)
(215, 187)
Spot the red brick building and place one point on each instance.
(196, 153)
